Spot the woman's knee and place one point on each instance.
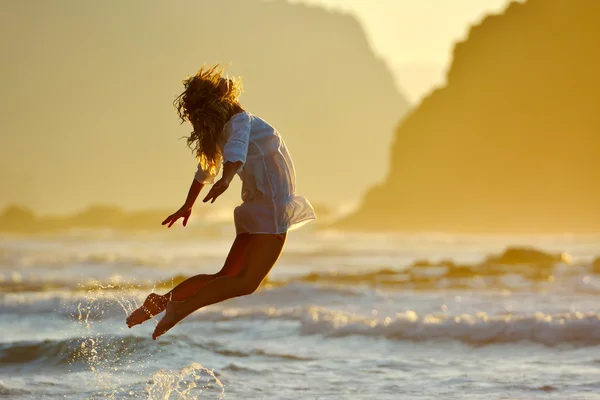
(223, 272)
(247, 285)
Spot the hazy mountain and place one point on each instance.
(512, 142)
(87, 101)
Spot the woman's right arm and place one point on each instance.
(193, 194)
(186, 210)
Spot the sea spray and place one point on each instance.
(185, 384)
(111, 359)
(119, 363)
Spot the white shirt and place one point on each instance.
(270, 204)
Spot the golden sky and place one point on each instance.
(416, 37)
(86, 113)
(76, 98)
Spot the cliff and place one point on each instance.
(511, 143)
(88, 101)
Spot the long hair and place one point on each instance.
(208, 102)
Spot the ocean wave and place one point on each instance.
(71, 352)
(271, 302)
(530, 265)
(546, 328)
(103, 304)
(432, 277)
(102, 352)
(11, 392)
(480, 329)
(83, 307)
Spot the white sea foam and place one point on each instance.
(548, 329)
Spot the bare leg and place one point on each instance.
(233, 265)
(261, 254)
(156, 303)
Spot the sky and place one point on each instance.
(416, 38)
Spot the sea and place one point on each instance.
(341, 316)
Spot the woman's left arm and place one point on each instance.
(235, 152)
(220, 186)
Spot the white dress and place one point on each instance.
(270, 204)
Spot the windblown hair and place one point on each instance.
(208, 102)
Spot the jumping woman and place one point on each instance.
(244, 144)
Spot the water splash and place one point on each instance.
(108, 357)
(121, 363)
(185, 384)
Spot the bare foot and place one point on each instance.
(173, 315)
(154, 304)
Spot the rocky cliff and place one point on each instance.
(512, 142)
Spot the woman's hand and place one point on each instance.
(217, 189)
(184, 212)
